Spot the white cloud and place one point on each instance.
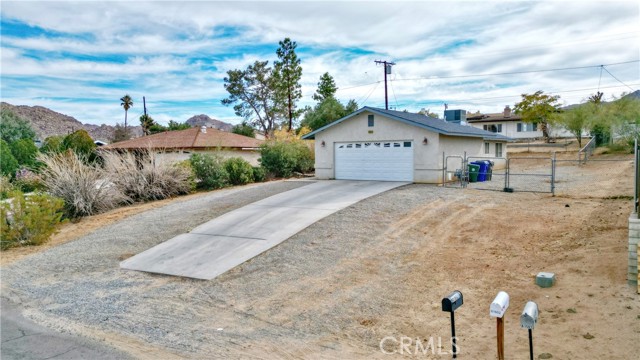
(177, 53)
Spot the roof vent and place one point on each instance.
(507, 111)
(203, 129)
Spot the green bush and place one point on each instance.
(29, 220)
(25, 151)
(8, 163)
(259, 175)
(14, 128)
(81, 143)
(239, 170)
(283, 158)
(209, 170)
(52, 144)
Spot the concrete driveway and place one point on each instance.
(235, 237)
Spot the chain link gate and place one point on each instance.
(504, 174)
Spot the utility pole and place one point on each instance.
(144, 104)
(387, 70)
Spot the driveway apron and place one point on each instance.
(229, 240)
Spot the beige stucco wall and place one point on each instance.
(176, 156)
(427, 157)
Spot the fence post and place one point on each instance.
(506, 175)
(636, 182)
(553, 175)
(444, 169)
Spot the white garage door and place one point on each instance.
(386, 161)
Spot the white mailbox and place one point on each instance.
(529, 316)
(499, 305)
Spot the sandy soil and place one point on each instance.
(389, 281)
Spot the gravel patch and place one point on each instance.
(80, 282)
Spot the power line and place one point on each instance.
(550, 92)
(494, 74)
(516, 72)
(620, 81)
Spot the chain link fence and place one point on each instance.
(564, 174)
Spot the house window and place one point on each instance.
(524, 127)
(407, 144)
(486, 148)
(498, 149)
(495, 128)
(370, 120)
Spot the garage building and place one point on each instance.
(388, 145)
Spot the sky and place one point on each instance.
(79, 58)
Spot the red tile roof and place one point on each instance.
(192, 138)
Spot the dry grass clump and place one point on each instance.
(85, 189)
(143, 176)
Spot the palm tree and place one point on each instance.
(146, 122)
(126, 103)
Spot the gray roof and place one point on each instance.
(422, 121)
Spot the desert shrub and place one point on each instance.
(620, 147)
(14, 128)
(143, 177)
(283, 158)
(259, 175)
(28, 181)
(85, 189)
(8, 163)
(6, 187)
(239, 170)
(52, 144)
(305, 158)
(29, 220)
(186, 165)
(209, 170)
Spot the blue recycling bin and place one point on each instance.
(483, 171)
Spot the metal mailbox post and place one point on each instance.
(528, 320)
(449, 304)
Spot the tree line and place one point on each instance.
(593, 115)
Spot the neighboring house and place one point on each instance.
(377, 144)
(179, 145)
(511, 125)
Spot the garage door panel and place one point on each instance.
(390, 161)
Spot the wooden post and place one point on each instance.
(500, 322)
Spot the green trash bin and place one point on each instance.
(474, 170)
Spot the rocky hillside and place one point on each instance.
(46, 122)
(202, 119)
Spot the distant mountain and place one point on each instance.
(202, 119)
(634, 95)
(46, 122)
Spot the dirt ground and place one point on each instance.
(388, 290)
